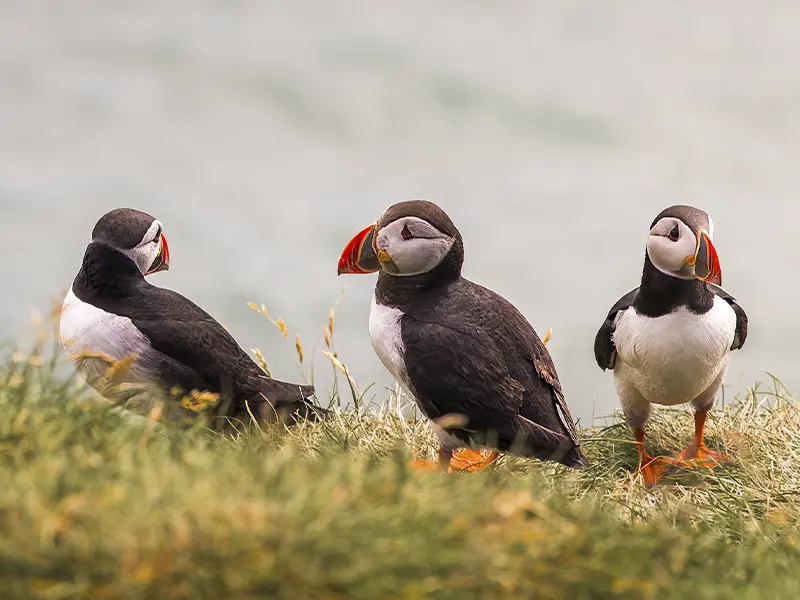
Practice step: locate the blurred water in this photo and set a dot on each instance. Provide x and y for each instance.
(264, 134)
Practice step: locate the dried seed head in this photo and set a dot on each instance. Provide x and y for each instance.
(120, 367)
(451, 421)
(282, 326)
(336, 362)
(198, 401)
(155, 413)
(261, 360)
(299, 348)
(327, 336)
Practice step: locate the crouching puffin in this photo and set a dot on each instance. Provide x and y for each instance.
(669, 340)
(113, 314)
(471, 361)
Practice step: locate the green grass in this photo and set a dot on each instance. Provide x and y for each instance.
(94, 504)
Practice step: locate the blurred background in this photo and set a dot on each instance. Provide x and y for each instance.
(264, 134)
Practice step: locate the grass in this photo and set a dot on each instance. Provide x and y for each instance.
(94, 504)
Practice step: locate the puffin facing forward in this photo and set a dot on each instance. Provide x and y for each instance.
(669, 340)
(112, 313)
(469, 359)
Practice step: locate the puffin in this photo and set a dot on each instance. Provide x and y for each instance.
(669, 341)
(112, 315)
(469, 359)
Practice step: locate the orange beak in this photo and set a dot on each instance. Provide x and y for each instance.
(161, 262)
(706, 266)
(359, 256)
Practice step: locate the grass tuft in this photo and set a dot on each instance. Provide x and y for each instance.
(97, 504)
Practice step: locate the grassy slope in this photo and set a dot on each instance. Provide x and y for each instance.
(94, 504)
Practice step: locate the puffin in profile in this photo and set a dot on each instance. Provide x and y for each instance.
(470, 360)
(112, 313)
(669, 340)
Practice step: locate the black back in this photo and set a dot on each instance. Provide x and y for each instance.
(192, 349)
(468, 351)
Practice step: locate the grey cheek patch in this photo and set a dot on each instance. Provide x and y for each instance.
(390, 267)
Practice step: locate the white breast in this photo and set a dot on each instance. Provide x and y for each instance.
(86, 329)
(387, 341)
(672, 359)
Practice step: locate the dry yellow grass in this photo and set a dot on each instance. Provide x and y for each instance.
(96, 505)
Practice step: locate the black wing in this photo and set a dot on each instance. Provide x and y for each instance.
(604, 351)
(741, 317)
(474, 354)
(459, 375)
(197, 351)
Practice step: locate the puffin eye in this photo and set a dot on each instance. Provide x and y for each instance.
(406, 233)
(675, 234)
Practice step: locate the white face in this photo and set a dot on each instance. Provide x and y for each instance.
(414, 245)
(669, 244)
(145, 252)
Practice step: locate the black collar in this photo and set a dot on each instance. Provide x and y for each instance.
(660, 294)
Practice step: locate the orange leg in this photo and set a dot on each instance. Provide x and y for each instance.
(465, 460)
(651, 469)
(697, 451)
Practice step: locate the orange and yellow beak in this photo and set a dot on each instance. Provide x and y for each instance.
(359, 255)
(706, 261)
(161, 262)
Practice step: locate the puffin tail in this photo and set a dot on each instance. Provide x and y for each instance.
(297, 404)
(575, 458)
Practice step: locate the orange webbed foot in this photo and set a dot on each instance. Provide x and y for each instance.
(701, 456)
(653, 471)
(472, 460)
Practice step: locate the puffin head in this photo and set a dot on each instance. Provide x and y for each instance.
(411, 238)
(135, 234)
(679, 244)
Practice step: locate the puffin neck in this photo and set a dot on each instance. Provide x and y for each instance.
(660, 294)
(106, 271)
(395, 291)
